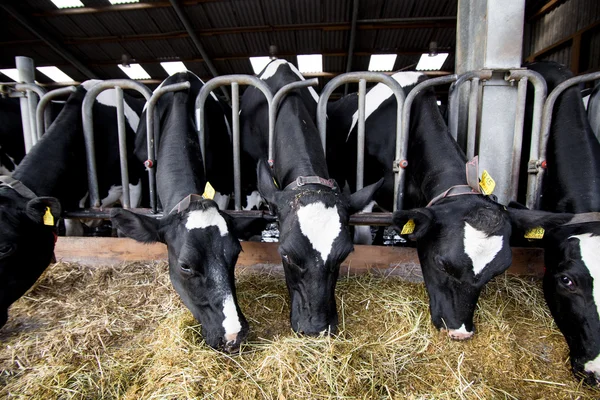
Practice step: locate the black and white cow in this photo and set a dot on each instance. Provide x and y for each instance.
(201, 240)
(51, 175)
(12, 145)
(462, 236)
(572, 251)
(313, 213)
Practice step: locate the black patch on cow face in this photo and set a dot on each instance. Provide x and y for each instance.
(26, 245)
(452, 278)
(568, 289)
(201, 265)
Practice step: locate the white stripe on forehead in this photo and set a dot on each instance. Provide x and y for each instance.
(108, 98)
(480, 247)
(589, 247)
(274, 65)
(321, 225)
(199, 219)
(231, 323)
(381, 92)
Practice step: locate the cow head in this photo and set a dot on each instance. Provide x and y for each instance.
(203, 250)
(314, 240)
(572, 291)
(26, 244)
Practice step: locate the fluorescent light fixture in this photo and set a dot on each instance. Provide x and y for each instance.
(173, 67)
(135, 71)
(55, 74)
(67, 3)
(382, 62)
(12, 73)
(123, 1)
(430, 63)
(259, 63)
(310, 63)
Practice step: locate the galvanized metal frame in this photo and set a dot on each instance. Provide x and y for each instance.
(361, 78)
(535, 168)
(42, 114)
(88, 133)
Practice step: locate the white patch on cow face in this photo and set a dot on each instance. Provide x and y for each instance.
(593, 366)
(107, 97)
(321, 225)
(222, 200)
(231, 323)
(381, 92)
(589, 247)
(480, 247)
(253, 200)
(201, 219)
(274, 65)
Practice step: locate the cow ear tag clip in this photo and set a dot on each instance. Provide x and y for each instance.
(535, 233)
(408, 228)
(48, 218)
(487, 184)
(209, 191)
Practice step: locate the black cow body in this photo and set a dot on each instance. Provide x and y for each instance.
(313, 214)
(54, 171)
(462, 240)
(202, 246)
(572, 251)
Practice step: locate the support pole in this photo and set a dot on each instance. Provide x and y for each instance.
(28, 103)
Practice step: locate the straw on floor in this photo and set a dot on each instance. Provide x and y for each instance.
(122, 332)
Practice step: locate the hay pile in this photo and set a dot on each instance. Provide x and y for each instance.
(121, 332)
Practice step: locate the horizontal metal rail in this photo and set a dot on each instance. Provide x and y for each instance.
(42, 113)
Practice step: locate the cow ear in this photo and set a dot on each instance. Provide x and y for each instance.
(362, 197)
(266, 183)
(525, 219)
(422, 219)
(139, 227)
(38, 207)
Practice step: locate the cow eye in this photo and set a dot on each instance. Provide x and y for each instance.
(185, 268)
(6, 250)
(565, 280)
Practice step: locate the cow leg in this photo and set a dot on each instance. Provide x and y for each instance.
(73, 227)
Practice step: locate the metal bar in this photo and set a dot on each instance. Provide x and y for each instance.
(352, 40)
(226, 80)
(518, 137)
(453, 93)
(152, 138)
(402, 140)
(472, 118)
(545, 131)
(122, 146)
(41, 114)
(237, 174)
(26, 75)
(360, 145)
(88, 127)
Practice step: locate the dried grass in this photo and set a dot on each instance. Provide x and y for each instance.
(121, 332)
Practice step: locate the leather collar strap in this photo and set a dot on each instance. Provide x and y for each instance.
(17, 186)
(185, 203)
(584, 218)
(453, 191)
(472, 187)
(310, 180)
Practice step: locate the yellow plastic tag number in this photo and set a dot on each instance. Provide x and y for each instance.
(209, 191)
(48, 217)
(409, 227)
(487, 183)
(535, 233)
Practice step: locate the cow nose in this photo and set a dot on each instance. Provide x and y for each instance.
(460, 333)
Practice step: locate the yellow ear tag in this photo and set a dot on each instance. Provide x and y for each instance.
(487, 184)
(48, 218)
(275, 182)
(535, 233)
(409, 227)
(209, 191)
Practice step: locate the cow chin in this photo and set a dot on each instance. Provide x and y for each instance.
(313, 313)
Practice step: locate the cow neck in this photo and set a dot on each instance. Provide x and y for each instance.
(435, 163)
(179, 164)
(298, 150)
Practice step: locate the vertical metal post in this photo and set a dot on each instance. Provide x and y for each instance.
(360, 146)
(42, 116)
(235, 120)
(28, 104)
(518, 137)
(472, 119)
(122, 146)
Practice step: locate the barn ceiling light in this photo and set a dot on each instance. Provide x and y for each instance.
(310, 63)
(430, 62)
(134, 71)
(382, 62)
(173, 67)
(55, 74)
(12, 73)
(259, 63)
(123, 1)
(67, 3)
